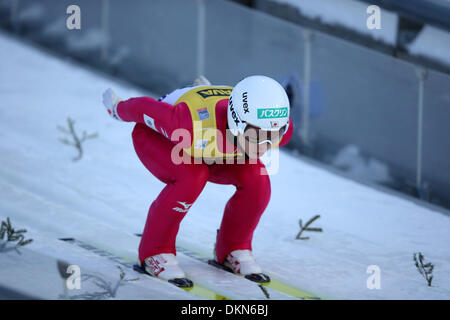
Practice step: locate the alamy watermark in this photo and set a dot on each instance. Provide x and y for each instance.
(73, 22)
(374, 280)
(374, 20)
(73, 281)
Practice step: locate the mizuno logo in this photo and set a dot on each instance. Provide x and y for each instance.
(185, 208)
(164, 133)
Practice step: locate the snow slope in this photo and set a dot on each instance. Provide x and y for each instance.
(103, 199)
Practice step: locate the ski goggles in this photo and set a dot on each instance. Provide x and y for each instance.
(258, 136)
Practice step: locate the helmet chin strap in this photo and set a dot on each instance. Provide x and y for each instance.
(230, 135)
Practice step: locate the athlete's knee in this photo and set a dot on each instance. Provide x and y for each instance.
(262, 191)
(193, 176)
(256, 186)
(254, 176)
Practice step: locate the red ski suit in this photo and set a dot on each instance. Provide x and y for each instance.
(184, 182)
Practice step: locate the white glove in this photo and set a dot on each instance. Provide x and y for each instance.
(110, 101)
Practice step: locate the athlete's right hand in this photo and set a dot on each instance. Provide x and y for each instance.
(110, 101)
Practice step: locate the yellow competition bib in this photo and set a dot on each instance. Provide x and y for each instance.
(201, 102)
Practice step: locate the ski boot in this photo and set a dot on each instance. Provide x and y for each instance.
(242, 262)
(165, 267)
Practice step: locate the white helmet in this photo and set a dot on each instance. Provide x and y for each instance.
(259, 101)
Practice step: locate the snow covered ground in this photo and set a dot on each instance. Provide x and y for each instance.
(103, 199)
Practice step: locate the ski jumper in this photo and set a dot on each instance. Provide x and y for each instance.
(200, 111)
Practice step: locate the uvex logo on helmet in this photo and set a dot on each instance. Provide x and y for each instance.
(233, 112)
(244, 102)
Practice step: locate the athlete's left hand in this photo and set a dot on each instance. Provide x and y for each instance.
(110, 101)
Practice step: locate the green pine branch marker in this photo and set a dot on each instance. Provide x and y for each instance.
(12, 235)
(425, 269)
(307, 228)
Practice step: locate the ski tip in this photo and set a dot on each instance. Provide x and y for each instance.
(258, 277)
(182, 282)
